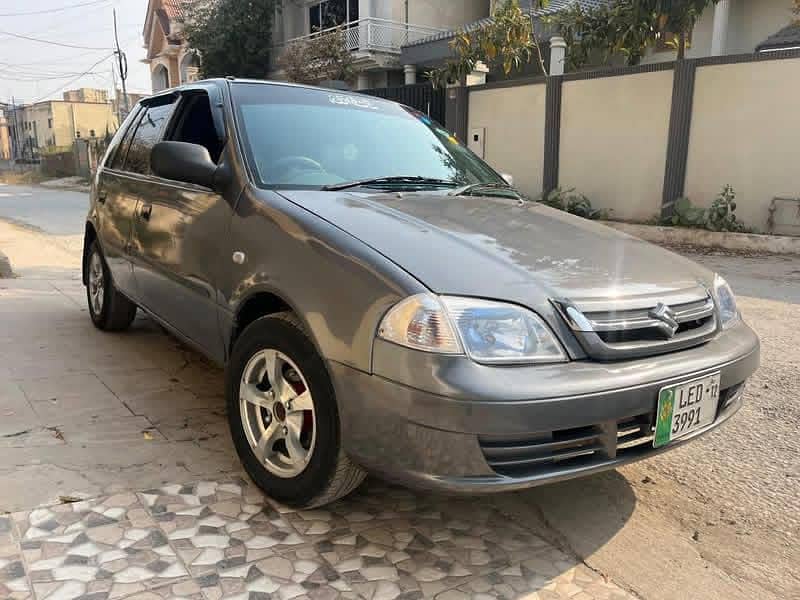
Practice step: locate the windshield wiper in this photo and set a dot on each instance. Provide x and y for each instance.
(465, 190)
(412, 179)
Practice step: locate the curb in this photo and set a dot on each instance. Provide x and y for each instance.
(684, 236)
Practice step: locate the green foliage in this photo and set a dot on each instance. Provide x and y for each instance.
(320, 58)
(626, 28)
(572, 202)
(720, 216)
(507, 40)
(233, 37)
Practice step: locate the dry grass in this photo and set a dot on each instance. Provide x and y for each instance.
(22, 177)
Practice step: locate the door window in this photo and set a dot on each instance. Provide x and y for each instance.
(148, 133)
(195, 125)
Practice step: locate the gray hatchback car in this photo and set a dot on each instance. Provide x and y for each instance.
(383, 301)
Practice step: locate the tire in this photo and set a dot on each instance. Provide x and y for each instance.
(108, 308)
(326, 473)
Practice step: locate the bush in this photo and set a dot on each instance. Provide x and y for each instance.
(720, 216)
(319, 58)
(573, 203)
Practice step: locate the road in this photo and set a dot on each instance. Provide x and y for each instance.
(715, 519)
(58, 212)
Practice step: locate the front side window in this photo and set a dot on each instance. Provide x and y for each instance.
(301, 138)
(148, 133)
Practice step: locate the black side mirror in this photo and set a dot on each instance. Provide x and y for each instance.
(181, 161)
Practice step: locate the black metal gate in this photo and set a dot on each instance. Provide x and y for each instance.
(421, 96)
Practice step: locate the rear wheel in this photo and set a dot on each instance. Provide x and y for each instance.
(283, 415)
(109, 309)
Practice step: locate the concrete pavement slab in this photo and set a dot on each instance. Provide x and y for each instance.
(16, 413)
(60, 399)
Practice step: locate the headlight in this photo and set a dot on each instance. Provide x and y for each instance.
(726, 302)
(489, 332)
(420, 322)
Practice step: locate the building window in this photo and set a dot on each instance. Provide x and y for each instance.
(91, 133)
(77, 134)
(49, 123)
(331, 13)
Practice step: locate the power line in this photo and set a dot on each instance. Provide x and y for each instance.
(41, 41)
(52, 10)
(71, 81)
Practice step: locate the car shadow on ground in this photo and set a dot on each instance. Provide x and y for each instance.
(580, 515)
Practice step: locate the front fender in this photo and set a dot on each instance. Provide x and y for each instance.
(338, 286)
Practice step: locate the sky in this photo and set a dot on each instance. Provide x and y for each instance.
(33, 70)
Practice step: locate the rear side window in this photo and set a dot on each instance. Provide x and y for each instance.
(148, 133)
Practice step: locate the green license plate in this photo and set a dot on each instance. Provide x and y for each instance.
(686, 407)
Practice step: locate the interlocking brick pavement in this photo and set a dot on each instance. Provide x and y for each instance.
(224, 540)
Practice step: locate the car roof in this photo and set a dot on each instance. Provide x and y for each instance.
(221, 81)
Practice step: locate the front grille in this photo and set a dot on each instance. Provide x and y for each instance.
(616, 334)
(565, 447)
(545, 452)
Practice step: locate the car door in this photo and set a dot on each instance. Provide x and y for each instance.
(115, 208)
(180, 231)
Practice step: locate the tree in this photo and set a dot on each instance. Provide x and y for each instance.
(507, 40)
(232, 37)
(319, 58)
(627, 28)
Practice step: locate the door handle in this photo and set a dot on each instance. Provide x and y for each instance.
(146, 211)
(101, 197)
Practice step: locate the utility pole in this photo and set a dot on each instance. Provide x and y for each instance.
(123, 67)
(117, 99)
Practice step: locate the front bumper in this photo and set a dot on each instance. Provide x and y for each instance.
(448, 424)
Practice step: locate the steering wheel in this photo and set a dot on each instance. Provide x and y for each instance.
(287, 164)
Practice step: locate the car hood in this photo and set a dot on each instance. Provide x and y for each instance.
(499, 248)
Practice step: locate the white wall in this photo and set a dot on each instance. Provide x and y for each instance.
(614, 141)
(514, 121)
(745, 128)
(446, 14)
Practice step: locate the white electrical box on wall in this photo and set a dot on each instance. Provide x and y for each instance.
(477, 141)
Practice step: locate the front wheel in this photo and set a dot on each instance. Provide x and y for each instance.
(283, 415)
(109, 309)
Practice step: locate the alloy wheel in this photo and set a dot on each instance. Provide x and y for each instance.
(96, 283)
(277, 413)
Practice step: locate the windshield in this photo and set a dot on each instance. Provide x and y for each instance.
(300, 138)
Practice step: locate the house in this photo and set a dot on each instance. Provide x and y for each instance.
(729, 27)
(787, 38)
(376, 30)
(169, 57)
(86, 95)
(51, 124)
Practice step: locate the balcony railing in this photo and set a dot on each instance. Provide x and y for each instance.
(375, 35)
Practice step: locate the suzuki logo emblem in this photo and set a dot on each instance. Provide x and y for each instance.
(664, 314)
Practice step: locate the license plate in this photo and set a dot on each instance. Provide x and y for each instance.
(686, 407)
